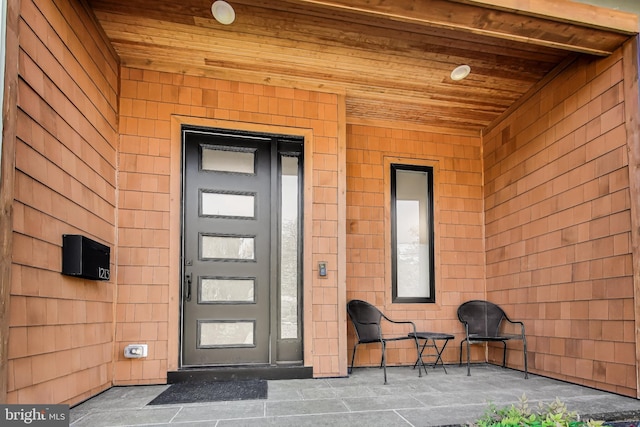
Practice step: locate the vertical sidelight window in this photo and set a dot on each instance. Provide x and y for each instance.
(412, 236)
(289, 246)
(289, 261)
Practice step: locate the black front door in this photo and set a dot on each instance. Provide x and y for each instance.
(235, 289)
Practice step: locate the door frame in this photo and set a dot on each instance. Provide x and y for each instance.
(175, 227)
(269, 151)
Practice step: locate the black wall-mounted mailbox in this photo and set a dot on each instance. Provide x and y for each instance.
(86, 258)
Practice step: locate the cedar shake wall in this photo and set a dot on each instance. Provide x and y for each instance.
(458, 230)
(548, 237)
(558, 227)
(61, 328)
(147, 300)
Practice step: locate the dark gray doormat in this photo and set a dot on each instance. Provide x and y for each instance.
(212, 391)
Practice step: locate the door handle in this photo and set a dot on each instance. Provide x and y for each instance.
(187, 280)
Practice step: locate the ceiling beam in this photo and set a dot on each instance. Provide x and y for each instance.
(559, 24)
(567, 11)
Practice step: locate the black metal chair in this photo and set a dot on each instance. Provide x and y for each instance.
(483, 321)
(367, 322)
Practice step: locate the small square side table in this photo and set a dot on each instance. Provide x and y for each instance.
(431, 340)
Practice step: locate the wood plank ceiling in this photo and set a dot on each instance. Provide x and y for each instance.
(391, 58)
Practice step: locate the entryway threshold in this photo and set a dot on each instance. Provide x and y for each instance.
(229, 373)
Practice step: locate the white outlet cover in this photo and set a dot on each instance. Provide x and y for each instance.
(135, 351)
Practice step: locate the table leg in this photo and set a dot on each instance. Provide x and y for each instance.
(420, 355)
(438, 355)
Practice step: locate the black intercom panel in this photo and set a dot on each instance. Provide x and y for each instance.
(85, 258)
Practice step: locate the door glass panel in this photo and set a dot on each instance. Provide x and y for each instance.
(227, 290)
(228, 247)
(222, 204)
(289, 248)
(225, 160)
(226, 334)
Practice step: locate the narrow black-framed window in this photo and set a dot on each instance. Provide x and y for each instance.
(412, 235)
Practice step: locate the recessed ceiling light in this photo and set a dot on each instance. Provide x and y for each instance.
(223, 12)
(460, 72)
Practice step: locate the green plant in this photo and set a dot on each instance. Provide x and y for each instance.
(554, 414)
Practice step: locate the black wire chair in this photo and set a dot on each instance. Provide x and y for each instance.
(482, 322)
(367, 320)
